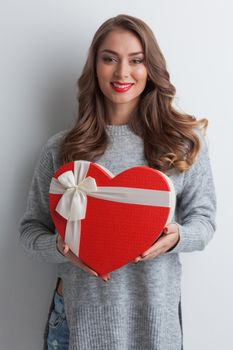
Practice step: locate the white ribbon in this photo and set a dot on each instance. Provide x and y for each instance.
(73, 203)
(75, 186)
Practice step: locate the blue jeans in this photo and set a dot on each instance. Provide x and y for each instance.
(58, 332)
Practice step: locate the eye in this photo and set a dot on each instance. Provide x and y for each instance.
(109, 59)
(137, 60)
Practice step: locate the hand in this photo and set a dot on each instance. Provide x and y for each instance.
(65, 250)
(167, 241)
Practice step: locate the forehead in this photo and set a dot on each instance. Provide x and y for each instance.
(121, 41)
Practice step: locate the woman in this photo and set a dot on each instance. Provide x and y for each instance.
(125, 119)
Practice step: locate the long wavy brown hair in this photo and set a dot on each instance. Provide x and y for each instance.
(170, 139)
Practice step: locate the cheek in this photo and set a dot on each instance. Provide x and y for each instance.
(103, 71)
(141, 75)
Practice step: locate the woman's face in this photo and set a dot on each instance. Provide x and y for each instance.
(120, 67)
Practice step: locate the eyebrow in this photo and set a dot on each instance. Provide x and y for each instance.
(115, 53)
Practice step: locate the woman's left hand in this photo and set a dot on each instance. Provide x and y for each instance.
(167, 241)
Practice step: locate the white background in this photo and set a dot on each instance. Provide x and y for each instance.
(43, 48)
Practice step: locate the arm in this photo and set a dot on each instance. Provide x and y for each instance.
(37, 231)
(196, 208)
(197, 205)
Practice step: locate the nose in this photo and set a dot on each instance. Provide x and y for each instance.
(122, 69)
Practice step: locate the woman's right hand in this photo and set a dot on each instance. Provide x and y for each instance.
(65, 250)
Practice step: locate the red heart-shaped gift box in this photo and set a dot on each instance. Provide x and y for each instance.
(119, 216)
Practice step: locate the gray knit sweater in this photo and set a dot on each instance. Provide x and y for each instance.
(138, 309)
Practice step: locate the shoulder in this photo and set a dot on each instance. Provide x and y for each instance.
(202, 138)
(202, 155)
(53, 143)
(49, 160)
(201, 163)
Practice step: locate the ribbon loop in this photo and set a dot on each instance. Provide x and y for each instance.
(73, 203)
(67, 179)
(88, 185)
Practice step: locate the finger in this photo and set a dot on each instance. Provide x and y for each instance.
(65, 249)
(137, 259)
(86, 267)
(160, 241)
(78, 262)
(158, 248)
(106, 277)
(171, 228)
(89, 270)
(162, 245)
(154, 247)
(154, 254)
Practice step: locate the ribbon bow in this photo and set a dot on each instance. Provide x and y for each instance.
(73, 203)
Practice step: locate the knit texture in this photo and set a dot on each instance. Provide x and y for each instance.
(138, 309)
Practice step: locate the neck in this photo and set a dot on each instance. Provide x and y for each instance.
(119, 114)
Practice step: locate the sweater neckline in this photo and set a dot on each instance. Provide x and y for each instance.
(118, 130)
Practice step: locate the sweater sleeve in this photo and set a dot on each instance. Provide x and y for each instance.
(37, 231)
(196, 205)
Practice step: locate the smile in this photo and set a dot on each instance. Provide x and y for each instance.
(121, 87)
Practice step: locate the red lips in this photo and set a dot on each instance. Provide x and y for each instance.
(120, 83)
(121, 87)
